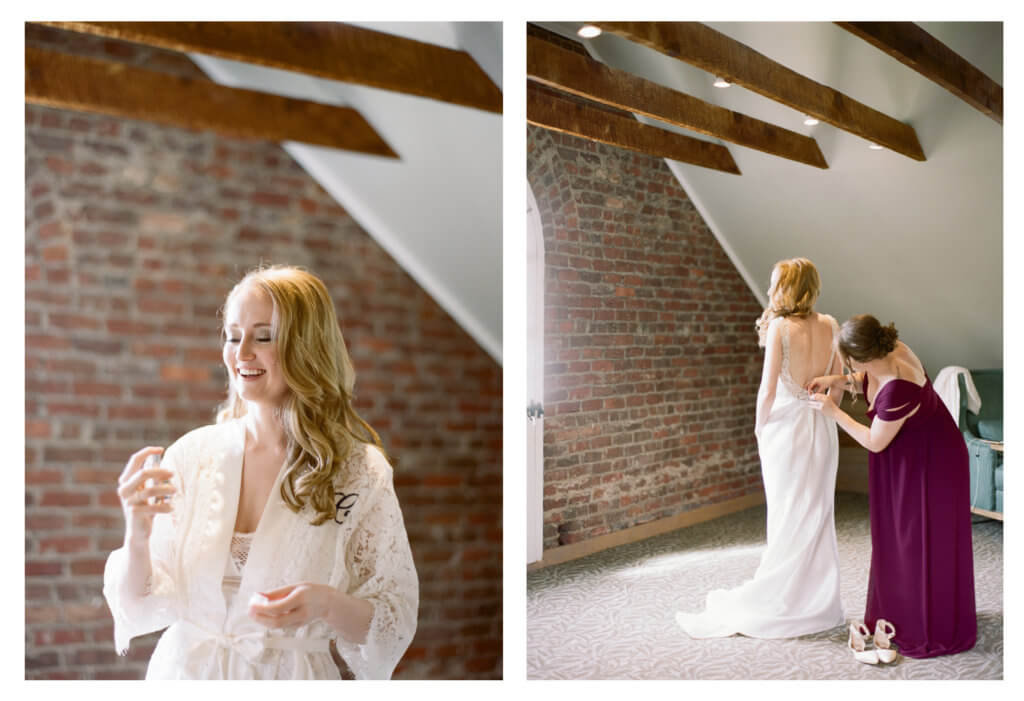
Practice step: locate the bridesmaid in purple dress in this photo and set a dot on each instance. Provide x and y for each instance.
(922, 566)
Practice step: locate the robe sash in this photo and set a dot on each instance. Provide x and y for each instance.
(248, 645)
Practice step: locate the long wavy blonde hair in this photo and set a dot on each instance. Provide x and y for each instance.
(794, 293)
(321, 426)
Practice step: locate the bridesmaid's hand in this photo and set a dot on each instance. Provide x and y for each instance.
(822, 384)
(825, 405)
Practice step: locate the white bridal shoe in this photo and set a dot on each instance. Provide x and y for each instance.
(883, 634)
(858, 644)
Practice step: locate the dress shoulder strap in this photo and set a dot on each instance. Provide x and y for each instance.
(835, 342)
(896, 399)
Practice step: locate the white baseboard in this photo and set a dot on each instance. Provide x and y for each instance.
(564, 553)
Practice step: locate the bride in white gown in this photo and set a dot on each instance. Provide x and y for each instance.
(795, 590)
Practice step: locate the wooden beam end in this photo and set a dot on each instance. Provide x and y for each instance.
(817, 157)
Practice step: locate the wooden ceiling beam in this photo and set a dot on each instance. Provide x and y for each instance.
(714, 52)
(545, 108)
(330, 50)
(77, 83)
(568, 71)
(914, 47)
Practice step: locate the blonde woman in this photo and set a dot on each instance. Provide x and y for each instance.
(271, 543)
(795, 590)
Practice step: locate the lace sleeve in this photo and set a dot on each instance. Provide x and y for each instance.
(381, 571)
(133, 615)
(834, 356)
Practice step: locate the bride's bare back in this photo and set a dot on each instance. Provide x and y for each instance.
(810, 346)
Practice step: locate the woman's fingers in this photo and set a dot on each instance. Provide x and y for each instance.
(279, 593)
(138, 480)
(282, 603)
(273, 611)
(137, 460)
(147, 508)
(292, 617)
(157, 490)
(281, 608)
(138, 503)
(290, 606)
(822, 402)
(144, 489)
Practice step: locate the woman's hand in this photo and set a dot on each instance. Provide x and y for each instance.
(299, 604)
(823, 384)
(293, 605)
(825, 405)
(144, 492)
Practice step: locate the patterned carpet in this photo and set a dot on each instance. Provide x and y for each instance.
(612, 615)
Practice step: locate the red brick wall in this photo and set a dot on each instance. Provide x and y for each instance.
(651, 359)
(134, 234)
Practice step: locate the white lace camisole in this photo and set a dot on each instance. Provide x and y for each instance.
(240, 544)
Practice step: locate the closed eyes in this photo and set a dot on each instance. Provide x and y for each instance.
(237, 339)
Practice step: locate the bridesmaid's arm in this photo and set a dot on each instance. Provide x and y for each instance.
(769, 375)
(836, 390)
(847, 383)
(875, 437)
(855, 381)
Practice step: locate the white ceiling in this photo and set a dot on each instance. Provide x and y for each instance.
(437, 210)
(916, 243)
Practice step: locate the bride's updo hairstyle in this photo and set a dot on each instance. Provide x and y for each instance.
(320, 423)
(795, 291)
(863, 338)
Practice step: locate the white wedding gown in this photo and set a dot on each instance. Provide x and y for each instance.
(795, 590)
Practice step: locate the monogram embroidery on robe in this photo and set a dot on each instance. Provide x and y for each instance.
(344, 506)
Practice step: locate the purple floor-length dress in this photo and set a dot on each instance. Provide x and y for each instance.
(922, 564)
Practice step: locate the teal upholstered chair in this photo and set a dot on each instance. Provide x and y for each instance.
(986, 425)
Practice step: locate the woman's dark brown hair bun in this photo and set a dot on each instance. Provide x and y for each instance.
(863, 338)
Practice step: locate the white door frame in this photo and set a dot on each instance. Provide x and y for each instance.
(534, 381)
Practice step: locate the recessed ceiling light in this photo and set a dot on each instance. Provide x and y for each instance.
(721, 83)
(810, 121)
(875, 147)
(589, 31)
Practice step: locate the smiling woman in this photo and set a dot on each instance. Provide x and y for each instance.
(248, 347)
(289, 467)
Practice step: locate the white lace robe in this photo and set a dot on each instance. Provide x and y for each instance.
(363, 551)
